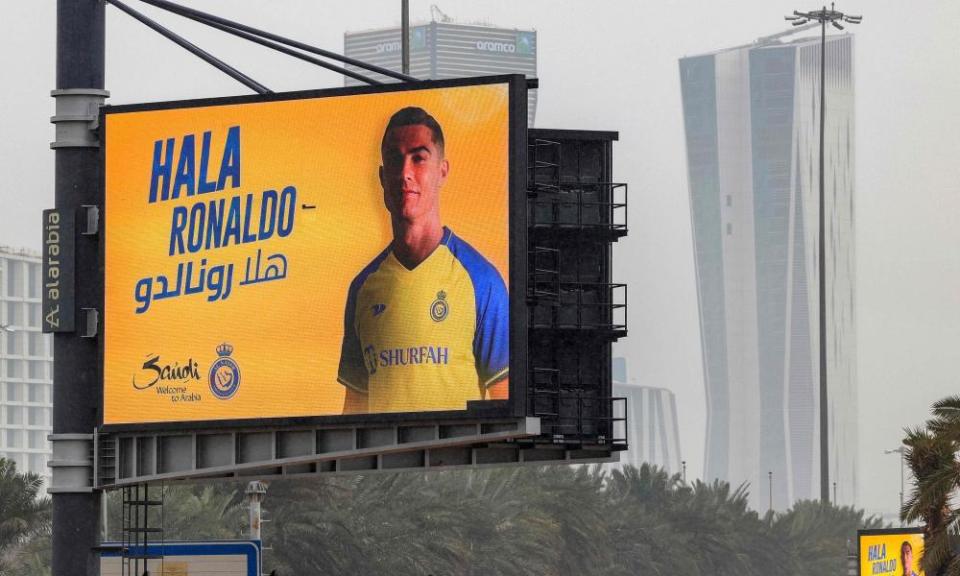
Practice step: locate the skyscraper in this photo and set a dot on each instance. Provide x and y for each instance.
(26, 364)
(652, 433)
(751, 116)
(440, 50)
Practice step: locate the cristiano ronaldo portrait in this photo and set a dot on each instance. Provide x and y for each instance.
(426, 325)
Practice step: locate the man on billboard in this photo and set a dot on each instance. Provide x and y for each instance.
(426, 325)
(906, 558)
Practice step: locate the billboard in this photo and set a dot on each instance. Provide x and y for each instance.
(895, 552)
(343, 252)
(217, 558)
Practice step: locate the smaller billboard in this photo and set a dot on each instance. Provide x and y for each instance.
(218, 558)
(893, 552)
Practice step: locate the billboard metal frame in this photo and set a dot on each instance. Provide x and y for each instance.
(515, 407)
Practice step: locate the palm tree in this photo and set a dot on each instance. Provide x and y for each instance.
(548, 521)
(23, 516)
(815, 535)
(932, 458)
(34, 557)
(206, 511)
(946, 421)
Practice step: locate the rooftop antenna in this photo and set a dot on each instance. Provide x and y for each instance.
(437, 15)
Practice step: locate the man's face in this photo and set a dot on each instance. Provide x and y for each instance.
(413, 172)
(907, 560)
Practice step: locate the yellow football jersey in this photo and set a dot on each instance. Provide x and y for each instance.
(431, 338)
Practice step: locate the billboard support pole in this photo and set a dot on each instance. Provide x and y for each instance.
(79, 93)
(405, 34)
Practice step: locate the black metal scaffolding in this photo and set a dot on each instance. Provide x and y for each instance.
(575, 214)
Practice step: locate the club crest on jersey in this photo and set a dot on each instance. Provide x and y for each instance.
(225, 373)
(439, 308)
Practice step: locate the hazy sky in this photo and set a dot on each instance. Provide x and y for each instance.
(613, 66)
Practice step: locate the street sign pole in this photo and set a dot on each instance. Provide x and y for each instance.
(79, 92)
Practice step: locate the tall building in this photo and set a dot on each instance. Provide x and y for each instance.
(751, 115)
(26, 364)
(653, 433)
(441, 50)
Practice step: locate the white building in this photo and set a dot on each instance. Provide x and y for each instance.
(653, 435)
(26, 364)
(445, 49)
(751, 117)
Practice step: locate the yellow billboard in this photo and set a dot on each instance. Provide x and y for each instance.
(337, 254)
(892, 552)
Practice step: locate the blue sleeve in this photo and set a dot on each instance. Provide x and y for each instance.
(353, 369)
(491, 340)
(352, 372)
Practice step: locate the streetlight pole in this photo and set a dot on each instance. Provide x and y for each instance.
(899, 450)
(770, 490)
(823, 16)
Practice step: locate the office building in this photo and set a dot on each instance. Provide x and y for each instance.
(26, 364)
(444, 49)
(653, 432)
(751, 116)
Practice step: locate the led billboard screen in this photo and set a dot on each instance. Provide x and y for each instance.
(895, 552)
(345, 252)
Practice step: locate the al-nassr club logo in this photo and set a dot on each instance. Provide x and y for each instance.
(439, 308)
(224, 373)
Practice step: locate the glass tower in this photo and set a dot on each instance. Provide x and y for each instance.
(752, 123)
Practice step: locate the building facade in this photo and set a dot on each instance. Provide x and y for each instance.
(26, 364)
(653, 433)
(751, 117)
(441, 50)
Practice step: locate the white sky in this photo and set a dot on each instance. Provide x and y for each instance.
(612, 65)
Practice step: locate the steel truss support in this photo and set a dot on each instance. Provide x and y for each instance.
(210, 20)
(170, 456)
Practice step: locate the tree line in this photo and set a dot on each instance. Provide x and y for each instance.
(546, 520)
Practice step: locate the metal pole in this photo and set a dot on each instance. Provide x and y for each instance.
(194, 49)
(899, 450)
(901, 486)
(405, 34)
(770, 489)
(801, 19)
(824, 421)
(207, 17)
(284, 50)
(80, 69)
(256, 490)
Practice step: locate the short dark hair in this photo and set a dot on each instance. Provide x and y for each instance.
(906, 546)
(414, 116)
